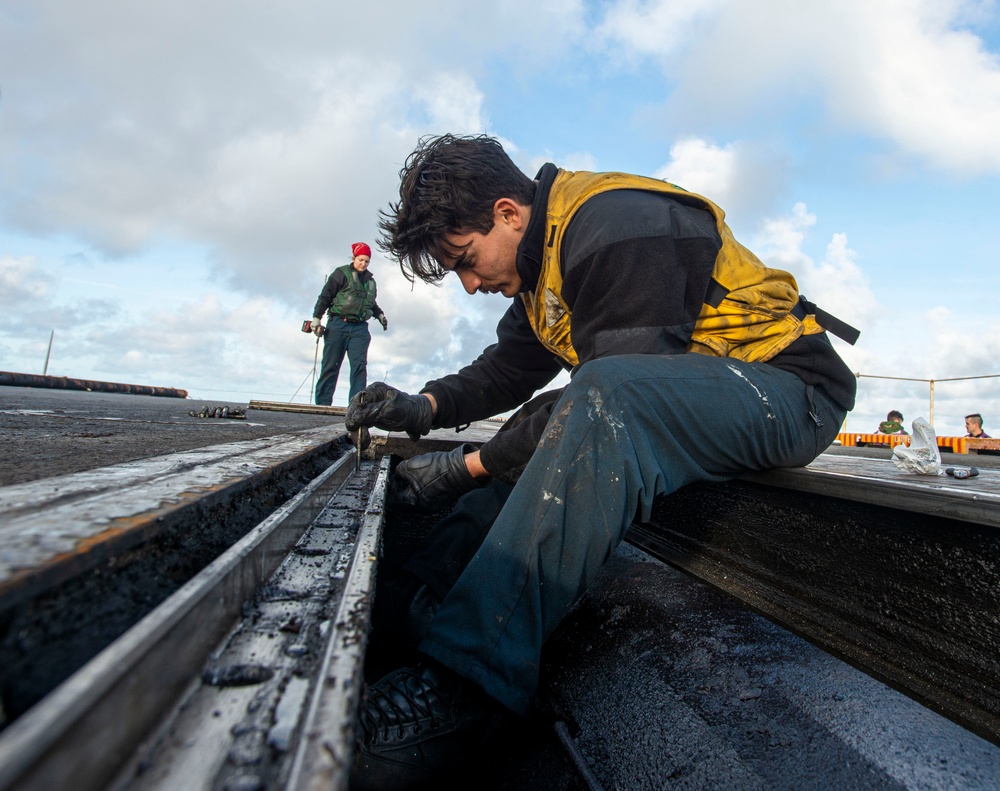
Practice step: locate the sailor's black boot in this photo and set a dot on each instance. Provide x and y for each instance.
(416, 723)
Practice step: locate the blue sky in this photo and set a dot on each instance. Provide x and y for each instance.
(177, 179)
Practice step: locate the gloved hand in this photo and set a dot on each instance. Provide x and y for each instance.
(390, 409)
(383, 321)
(363, 441)
(433, 480)
(317, 325)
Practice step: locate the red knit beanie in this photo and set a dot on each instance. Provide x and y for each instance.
(360, 248)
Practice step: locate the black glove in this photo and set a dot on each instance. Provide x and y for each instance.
(434, 480)
(383, 321)
(391, 410)
(363, 441)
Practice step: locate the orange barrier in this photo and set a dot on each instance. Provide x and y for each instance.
(860, 440)
(953, 444)
(947, 444)
(977, 445)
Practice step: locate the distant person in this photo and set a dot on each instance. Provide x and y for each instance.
(893, 424)
(974, 425)
(348, 301)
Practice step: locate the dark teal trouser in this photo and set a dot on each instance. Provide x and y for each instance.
(343, 337)
(625, 430)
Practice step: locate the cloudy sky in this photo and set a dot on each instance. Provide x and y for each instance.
(177, 179)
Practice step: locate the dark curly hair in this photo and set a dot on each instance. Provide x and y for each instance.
(449, 184)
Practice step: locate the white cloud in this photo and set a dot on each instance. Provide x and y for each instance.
(836, 283)
(897, 342)
(445, 328)
(254, 133)
(781, 237)
(20, 281)
(635, 28)
(964, 348)
(700, 167)
(31, 304)
(959, 355)
(744, 179)
(452, 102)
(910, 72)
(580, 160)
(918, 80)
(262, 140)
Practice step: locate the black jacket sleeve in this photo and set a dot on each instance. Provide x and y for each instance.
(506, 454)
(503, 377)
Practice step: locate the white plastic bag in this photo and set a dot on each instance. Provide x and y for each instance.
(923, 456)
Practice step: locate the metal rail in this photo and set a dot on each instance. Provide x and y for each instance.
(14, 379)
(87, 733)
(326, 745)
(52, 532)
(282, 406)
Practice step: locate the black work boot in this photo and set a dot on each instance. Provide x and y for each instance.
(415, 723)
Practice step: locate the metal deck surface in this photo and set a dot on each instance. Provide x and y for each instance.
(662, 680)
(675, 685)
(48, 433)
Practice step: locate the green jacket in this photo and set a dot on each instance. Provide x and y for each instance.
(349, 294)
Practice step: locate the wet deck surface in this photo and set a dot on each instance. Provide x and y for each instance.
(44, 433)
(664, 681)
(675, 685)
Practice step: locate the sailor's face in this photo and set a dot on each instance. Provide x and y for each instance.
(361, 262)
(487, 262)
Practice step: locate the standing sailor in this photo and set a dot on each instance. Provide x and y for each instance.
(348, 300)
